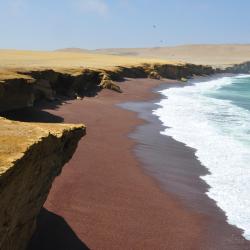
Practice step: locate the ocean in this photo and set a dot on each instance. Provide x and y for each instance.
(213, 117)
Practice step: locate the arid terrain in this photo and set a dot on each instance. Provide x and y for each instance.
(214, 55)
(217, 55)
(31, 151)
(14, 60)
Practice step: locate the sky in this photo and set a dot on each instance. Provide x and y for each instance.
(91, 24)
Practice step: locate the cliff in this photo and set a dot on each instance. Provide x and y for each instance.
(27, 87)
(16, 93)
(31, 156)
(242, 68)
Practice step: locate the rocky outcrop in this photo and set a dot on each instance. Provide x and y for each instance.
(50, 84)
(35, 85)
(242, 68)
(107, 83)
(180, 71)
(16, 93)
(31, 156)
(170, 71)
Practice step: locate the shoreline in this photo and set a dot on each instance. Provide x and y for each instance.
(153, 126)
(222, 181)
(136, 213)
(181, 176)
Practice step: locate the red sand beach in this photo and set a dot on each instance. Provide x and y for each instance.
(104, 199)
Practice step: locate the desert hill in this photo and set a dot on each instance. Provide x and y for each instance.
(211, 54)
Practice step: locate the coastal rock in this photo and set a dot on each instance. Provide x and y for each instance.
(31, 156)
(243, 68)
(48, 84)
(57, 83)
(154, 75)
(178, 71)
(134, 71)
(107, 83)
(16, 93)
(43, 90)
(86, 83)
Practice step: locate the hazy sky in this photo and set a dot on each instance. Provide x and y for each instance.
(52, 24)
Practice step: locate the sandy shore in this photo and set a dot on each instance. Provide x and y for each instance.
(106, 198)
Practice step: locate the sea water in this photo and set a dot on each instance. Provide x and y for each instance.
(213, 117)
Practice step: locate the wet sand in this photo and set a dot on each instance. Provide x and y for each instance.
(122, 192)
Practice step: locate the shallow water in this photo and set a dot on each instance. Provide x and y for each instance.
(213, 117)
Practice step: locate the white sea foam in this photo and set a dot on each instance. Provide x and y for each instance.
(219, 131)
(242, 76)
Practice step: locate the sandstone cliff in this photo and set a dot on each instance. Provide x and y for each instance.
(27, 87)
(16, 93)
(31, 156)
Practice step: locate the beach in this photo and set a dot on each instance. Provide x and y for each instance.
(124, 125)
(120, 190)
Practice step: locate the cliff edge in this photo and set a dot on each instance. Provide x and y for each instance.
(31, 156)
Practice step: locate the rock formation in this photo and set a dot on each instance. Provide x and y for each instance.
(34, 85)
(16, 93)
(31, 156)
(242, 68)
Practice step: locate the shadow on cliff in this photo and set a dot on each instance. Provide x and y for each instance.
(38, 112)
(32, 114)
(53, 233)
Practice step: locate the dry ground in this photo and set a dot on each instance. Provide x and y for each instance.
(13, 60)
(216, 55)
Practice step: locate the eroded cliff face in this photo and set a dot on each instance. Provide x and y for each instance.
(29, 86)
(33, 85)
(16, 93)
(242, 68)
(31, 156)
